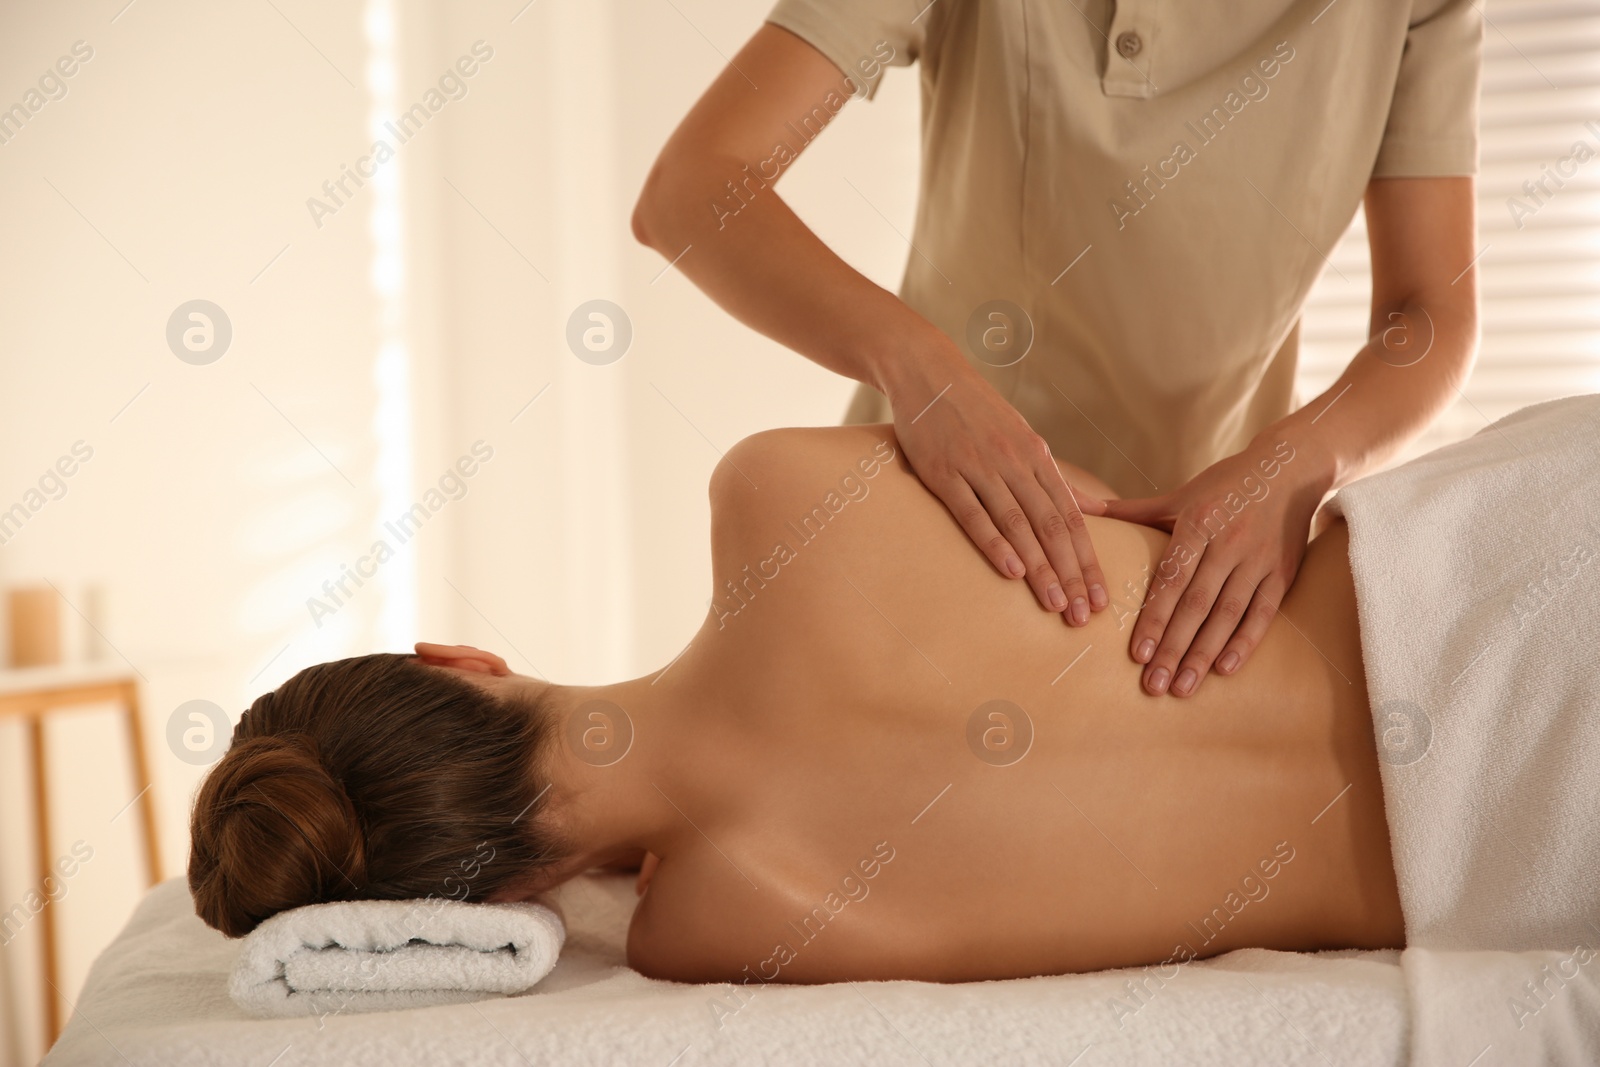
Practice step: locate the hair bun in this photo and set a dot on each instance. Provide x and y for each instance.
(280, 833)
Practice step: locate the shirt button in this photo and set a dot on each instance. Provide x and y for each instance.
(1128, 44)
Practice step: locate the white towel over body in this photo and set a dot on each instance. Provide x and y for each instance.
(381, 955)
(1477, 577)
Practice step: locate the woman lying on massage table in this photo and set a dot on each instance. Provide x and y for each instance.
(876, 759)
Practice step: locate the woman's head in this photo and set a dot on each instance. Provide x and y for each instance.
(377, 777)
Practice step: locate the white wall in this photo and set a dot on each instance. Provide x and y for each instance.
(177, 166)
(554, 153)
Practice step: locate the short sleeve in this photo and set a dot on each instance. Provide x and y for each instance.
(860, 37)
(1433, 119)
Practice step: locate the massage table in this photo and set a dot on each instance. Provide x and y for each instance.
(1477, 577)
(158, 995)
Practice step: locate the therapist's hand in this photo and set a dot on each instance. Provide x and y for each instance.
(980, 456)
(1239, 531)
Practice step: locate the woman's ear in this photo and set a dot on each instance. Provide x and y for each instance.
(461, 657)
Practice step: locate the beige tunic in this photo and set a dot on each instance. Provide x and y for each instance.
(1124, 205)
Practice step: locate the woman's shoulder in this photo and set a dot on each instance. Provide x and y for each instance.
(788, 471)
(697, 922)
(803, 456)
(777, 491)
(701, 921)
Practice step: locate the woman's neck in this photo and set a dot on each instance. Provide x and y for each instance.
(614, 763)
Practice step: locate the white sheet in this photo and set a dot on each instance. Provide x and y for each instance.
(158, 995)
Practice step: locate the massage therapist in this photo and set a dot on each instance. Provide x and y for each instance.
(1122, 208)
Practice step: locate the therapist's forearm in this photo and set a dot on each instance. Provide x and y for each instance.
(1422, 333)
(974, 451)
(765, 267)
(1400, 381)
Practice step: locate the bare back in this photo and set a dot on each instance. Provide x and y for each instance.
(909, 770)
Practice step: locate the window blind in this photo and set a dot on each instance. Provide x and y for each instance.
(1538, 227)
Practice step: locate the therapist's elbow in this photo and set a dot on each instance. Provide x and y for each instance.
(659, 202)
(678, 197)
(643, 212)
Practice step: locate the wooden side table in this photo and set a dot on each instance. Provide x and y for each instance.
(31, 693)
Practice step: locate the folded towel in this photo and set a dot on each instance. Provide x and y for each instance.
(383, 955)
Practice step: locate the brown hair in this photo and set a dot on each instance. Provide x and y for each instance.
(376, 777)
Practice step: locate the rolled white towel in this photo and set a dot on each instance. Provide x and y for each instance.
(383, 955)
